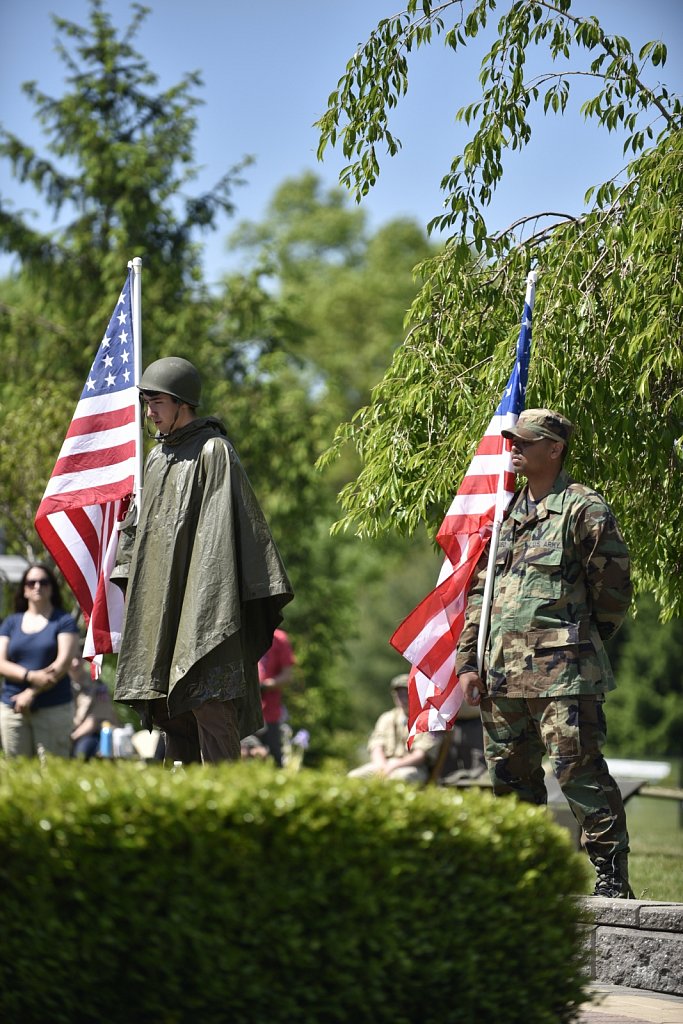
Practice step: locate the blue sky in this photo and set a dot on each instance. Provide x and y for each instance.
(268, 69)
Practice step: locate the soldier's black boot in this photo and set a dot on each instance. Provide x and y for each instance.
(612, 881)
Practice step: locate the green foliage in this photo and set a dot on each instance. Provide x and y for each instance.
(286, 348)
(205, 893)
(607, 321)
(376, 77)
(397, 573)
(343, 291)
(645, 713)
(298, 339)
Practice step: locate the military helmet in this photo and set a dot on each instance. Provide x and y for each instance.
(174, 376)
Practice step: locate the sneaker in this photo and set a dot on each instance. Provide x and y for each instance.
(613, 888)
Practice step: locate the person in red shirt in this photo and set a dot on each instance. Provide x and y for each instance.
(275, 671)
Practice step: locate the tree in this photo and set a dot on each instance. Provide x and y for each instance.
(120, 159)
(347, 290)
(646, 710)
(281, 358)
(124, 158)
(607, 348)
(301, 353)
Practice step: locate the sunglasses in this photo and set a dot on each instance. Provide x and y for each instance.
(521, 443)
(37, 583)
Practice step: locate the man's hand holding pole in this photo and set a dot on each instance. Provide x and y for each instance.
(472, 686)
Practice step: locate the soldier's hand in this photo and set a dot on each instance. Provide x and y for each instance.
(472, 687)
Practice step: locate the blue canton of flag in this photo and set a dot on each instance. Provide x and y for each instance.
(112, 369)
(514, 396)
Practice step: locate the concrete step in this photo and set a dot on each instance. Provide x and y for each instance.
(636, 944)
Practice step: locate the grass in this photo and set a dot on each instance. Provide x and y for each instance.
(655, 827)
(656, 862)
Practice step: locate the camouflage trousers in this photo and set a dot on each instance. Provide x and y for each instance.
(519, 731)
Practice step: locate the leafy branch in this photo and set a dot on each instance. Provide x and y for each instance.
(608, 322)
(358, 112)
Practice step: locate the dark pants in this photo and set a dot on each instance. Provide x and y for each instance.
(86, 747)
(207, 734)
(272, 737)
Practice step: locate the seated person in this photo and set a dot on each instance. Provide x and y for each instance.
(92, 706)
(389, 754)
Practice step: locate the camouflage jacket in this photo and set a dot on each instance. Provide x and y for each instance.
(562, 587)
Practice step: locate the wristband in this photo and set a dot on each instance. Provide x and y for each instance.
(25, 679)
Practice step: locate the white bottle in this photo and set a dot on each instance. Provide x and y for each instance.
(123, 741)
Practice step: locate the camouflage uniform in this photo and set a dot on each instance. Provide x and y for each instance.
(562, 587)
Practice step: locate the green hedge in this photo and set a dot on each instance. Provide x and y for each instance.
(239, 894)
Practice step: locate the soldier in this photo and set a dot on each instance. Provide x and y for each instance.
(562, 588)
(205, 585)
(389, 754)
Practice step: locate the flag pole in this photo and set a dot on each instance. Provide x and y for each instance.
(136, 299)
(482, 637)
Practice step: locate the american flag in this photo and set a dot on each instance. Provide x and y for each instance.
(428, 637)
(93, 479)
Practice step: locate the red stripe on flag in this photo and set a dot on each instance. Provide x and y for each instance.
(429, 636)
(492, 444)
(480, 484)
(87, 497)
(459, 533)
(84, 526)
(106, 420)
(100, 624)
(97, 458)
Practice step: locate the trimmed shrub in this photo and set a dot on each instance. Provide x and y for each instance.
(239, 894)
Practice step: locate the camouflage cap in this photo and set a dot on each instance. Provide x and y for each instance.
(535, 424)
(399, 682)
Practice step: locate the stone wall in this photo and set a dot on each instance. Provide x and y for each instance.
(637, 943)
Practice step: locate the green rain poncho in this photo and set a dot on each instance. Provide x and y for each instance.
(205, 584)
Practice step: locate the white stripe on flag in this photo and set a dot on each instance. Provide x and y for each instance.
(90, 479)
(111, 438)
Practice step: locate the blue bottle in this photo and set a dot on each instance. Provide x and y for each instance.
(106, 740)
